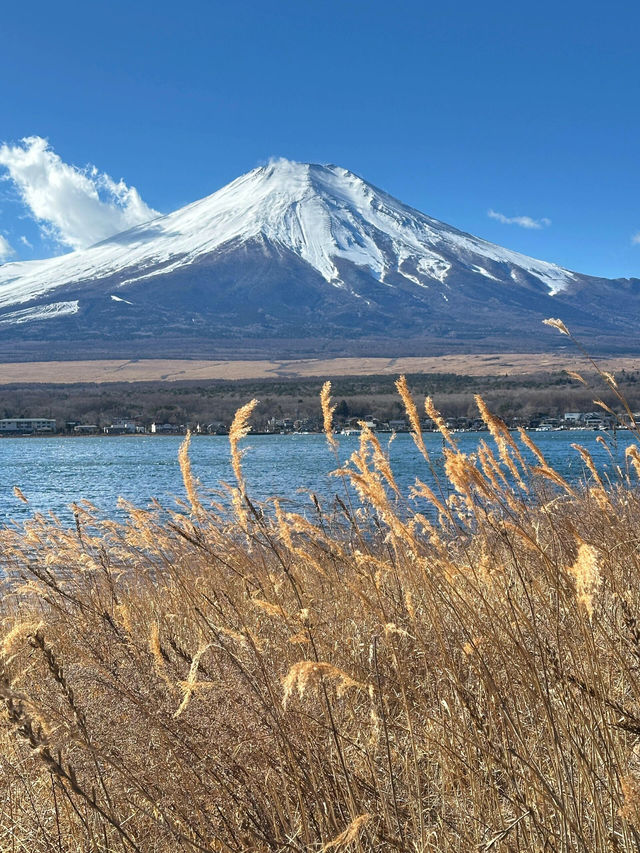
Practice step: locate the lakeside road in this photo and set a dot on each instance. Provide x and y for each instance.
(174, 370)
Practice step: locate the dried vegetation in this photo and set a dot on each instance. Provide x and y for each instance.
(366, 677)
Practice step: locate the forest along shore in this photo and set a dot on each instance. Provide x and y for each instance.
(289, 404)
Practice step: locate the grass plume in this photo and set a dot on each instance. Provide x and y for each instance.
(327, 415)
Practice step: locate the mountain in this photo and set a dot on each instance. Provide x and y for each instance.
(300, 260)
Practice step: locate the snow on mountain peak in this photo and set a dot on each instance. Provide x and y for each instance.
(323, 213)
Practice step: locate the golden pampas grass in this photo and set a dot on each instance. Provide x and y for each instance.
(239, 429)
(349, 835)
(464, 475)
(503, 439)
(577, 376)
(17, 491)
(188, 687)
(588, 461)
(630, 809)
(412, 414)
(556, 324)
(19, 631)
(532, 446)
(633, 454)
(307, 672)
(188, 479)
(551, 474)
(327, 415)
(586, 574)
(439, 421)
(379, 459)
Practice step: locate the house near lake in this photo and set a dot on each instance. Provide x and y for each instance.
(26, 426)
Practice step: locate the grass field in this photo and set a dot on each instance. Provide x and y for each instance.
(457, 674)
(171, 370)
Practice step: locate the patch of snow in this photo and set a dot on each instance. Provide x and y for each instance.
(40, 312)
(435, 267)
(120, 299)
(360, 296)
(413, 279)
(484, 272)
(468, 247)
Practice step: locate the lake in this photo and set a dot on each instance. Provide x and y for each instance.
(53, 472)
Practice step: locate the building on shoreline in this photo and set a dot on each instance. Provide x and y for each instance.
(26, 426)
(123, 427)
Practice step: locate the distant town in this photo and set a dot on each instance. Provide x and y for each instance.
(12, 427)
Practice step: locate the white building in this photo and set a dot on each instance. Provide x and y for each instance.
(121, 427)
(25, 426)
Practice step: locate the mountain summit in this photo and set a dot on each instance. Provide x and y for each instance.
(299, 258)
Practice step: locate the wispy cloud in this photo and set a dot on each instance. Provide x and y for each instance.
(25, 242)
(6, 249)
(636, 239)
(77, 207)
(522, 221)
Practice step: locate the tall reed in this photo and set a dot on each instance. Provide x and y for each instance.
(452, 671)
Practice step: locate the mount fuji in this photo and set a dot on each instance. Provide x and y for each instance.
(301, 260)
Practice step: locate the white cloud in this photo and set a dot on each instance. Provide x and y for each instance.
(77, 207)
(25, 242)
(6, 249)
(636, 239)
(522, 221)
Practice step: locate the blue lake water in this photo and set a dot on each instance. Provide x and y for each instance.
(54, 472)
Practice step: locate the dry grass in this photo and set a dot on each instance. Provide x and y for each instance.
(173, 370)
(460, 678)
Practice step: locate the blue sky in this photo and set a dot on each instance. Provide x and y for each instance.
(529, 110)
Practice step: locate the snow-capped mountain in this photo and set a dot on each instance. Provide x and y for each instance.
(301, 253)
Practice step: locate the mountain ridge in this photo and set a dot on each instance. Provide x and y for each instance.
(302, 252)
